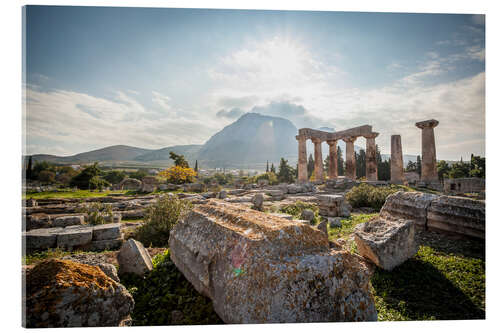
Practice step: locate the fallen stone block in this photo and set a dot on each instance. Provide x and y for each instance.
(133, 258)
(65, 221)
(407, 205)
(386, 243)
(40, 239)
(323, 226)
(258, 268)
(71, 238)
(457, 215)
(104, 245)
(106, 231)
(307, 214)
(63, 293)
(335, 222)
(258, 201)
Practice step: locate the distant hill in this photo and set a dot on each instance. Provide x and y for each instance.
(111, 153)
(190, 152)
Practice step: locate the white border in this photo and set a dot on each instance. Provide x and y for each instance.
(11, 152)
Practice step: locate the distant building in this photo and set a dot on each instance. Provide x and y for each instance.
(464, 185)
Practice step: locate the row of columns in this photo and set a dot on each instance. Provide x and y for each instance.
(371, 158)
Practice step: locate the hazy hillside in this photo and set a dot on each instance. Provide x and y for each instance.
(250, 142)
(190, 152)
(111, 153)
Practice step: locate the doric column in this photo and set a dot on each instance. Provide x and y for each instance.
(371, 157)
(397, 176)
(318, 160)
(350, 159)
(429, 170)
(302, 159)
(332, 161)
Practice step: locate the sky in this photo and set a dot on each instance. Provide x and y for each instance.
(157, 77)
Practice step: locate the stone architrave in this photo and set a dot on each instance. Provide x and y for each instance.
(350, 160)
(397, 174)
(318, 160)
(429, 170)
(302, 159)
(371, 157)
(332, 159)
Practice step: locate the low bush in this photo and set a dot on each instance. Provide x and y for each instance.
(296, 209)
(97, 213)
(365, 195)
(160, 218)
(269, 176)
(164, 290)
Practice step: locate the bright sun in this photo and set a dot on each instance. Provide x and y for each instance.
(283, 58)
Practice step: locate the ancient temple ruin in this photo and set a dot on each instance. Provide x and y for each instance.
(349, 136)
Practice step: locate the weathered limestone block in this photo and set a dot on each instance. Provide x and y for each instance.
(335, 222)
(63, 293)
(307, 214)
(258, 201)
(195, 187)
(209, 195)
(238, 191)
(106, 231)
(40, 239)
(31, 203)
(37, 221)
(293, 189)
(133, 258)
(276, 195)
(65, 221)
(149, 184)
(386, 243)
(333, 205)
(70, 238)
(258, 268)
(323, 226)
(93, 260)
(222, 195)
(132, 214)
(407, 205)
(106, 244)
(457, 215)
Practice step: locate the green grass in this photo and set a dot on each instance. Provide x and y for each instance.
(36, 257)
(445, 280)
(348, 225)
(70, 194)
(164, 290)
(431, 286)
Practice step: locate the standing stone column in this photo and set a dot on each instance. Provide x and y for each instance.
(332, 161)
(302, 159)
(429, 170)
(371, 157)
(350, 159)
(318, 160)
(397, 175)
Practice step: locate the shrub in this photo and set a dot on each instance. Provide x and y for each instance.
(269, 176)
(178, 174)
(97, 182)
(164, 290)
(82, 180)
(160, 218)
(46, 176)
(365, 195)
(98, 213)
(296, 209)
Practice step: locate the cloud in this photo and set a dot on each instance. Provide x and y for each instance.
(161, 100)
(296, 113)
(231, 114)
(61, 121)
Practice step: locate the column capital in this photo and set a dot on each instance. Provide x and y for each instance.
(331, 142)
(349, 139)
(371, 135)
(301, 137)
(316, 140)
(427, 123)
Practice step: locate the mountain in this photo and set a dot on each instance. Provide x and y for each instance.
(111, 153)
(190, 152)
(249, 142)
